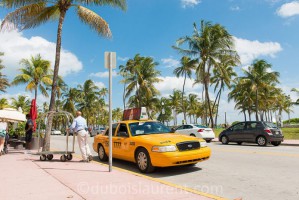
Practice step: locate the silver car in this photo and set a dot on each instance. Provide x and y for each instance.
(196, 130)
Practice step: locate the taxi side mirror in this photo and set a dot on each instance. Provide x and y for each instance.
(172, 130)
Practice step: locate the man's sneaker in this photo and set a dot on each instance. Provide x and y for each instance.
(90, 158)
(86, 161)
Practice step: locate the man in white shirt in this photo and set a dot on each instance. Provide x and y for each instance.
(3, 131)
(78, 126)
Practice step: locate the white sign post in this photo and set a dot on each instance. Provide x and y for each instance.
(110, 63)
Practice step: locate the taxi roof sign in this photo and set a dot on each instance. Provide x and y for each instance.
(135, 114)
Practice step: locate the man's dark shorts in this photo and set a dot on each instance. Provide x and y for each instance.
(28, 136)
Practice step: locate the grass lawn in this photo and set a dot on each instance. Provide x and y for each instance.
(289, 133)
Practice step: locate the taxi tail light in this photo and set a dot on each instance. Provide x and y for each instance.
(200, 130)
(268, 131)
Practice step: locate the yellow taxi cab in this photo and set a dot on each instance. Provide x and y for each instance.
(150, 144)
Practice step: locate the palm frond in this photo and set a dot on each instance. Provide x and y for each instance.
(114, 3)
(21, 16)
(14, 4)
(43, 90)
(45, 15)
(96, 22)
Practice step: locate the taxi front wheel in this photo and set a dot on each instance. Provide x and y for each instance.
(143, 161)
(102, 154)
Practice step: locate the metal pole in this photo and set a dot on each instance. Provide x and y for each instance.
(225, 119)
(110, 113)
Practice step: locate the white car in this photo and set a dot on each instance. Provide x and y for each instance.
(55, 132)
(195, 130)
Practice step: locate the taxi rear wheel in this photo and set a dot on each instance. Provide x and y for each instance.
(102, 154)
(143, 161)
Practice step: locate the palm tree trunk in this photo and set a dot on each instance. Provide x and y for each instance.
(217, 96)
(217, 109)
(184, 109)
(209, 104)
(256, 105)
(35, 95)
(124, 96)
(175, 117)
(46, 146)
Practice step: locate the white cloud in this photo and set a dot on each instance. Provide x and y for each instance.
(189, 3)
(123, 58)
(289, 9)
(16, 47)
(170, 83)
(103, 74)
(100, 84)
(170, 62)
(250, 50)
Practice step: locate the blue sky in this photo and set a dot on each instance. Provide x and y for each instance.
(265, 29)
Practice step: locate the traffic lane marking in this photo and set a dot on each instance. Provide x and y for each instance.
(256, 152)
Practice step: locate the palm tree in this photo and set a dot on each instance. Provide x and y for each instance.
(117, 114)
(21, 102)
(100, 111)
(193, 102)
(3, 80)
(143, 76)
(61, 87)
(123, 71)
(3, 103)
(185, 70)
(87, 99)
(45, 107)
(208, 44)
(223, 76)
(29, 14)
(164, 110)
(70, 98)
(243, 96)
(175, 104)
(297, 91)
(36, 74)
(259, 77)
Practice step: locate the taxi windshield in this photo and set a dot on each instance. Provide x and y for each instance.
(147, 128)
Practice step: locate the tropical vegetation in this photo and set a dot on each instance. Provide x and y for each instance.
(208, 59)
(3, 80)
(30, 14)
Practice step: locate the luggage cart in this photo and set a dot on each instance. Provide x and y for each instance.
(65, 155)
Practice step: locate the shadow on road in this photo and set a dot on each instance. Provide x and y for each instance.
(158, 173)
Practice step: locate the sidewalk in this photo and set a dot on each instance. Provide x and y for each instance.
(284, 143)
(24, 176)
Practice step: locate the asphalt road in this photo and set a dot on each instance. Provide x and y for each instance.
(248, 171)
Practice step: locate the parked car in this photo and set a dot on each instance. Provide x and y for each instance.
(258, 132)
(96, 131)
(55, 132)
(195, 130)
(150, 144)
(71, 132)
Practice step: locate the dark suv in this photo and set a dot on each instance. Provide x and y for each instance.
(258, 132)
